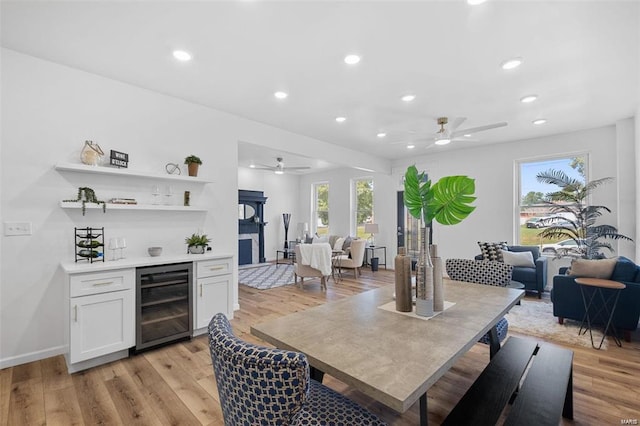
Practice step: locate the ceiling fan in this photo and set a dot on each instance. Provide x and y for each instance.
(444, 136)
(280, 168)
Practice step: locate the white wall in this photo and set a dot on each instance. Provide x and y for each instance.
(493, 168)
(282, 192)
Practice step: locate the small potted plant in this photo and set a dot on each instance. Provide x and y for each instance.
(197, 243)
(193, 162)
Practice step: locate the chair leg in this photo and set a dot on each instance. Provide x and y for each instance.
(540, 294)
(301, 282)
(323, 283)
(560, 320)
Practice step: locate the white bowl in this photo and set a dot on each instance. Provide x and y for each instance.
(154, 251)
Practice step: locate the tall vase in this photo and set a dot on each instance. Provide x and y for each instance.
(403, 281)
(438, 286)
(424, 277)
(286, 218)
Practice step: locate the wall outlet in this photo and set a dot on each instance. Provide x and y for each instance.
(17, 228)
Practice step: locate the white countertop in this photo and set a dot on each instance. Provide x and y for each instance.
(133, 262)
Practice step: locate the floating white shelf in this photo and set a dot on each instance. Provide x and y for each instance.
(78, 205)
(82, 168)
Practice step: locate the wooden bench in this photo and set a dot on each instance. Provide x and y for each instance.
(545, 394)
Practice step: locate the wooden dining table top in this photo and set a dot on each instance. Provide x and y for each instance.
(390, 356)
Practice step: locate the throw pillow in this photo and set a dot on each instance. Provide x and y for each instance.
(592, 268)
(347, 243)
(338, 244)
(492, 251)
(523, 258)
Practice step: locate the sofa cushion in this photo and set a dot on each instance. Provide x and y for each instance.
(492, 251)
(347, 243)
(524, 258)
(524, 275)
(534, 250)
(592, 268)
(338, 243)
(625, 270)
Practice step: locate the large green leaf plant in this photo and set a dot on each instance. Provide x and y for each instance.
(447, 201)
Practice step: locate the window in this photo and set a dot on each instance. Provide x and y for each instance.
(321, 208)
(532, 208)
(362, 205)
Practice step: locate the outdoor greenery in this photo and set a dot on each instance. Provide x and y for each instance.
(569, 203)
(364, 198)
(447, 201)
(532, 198)
(322, 204)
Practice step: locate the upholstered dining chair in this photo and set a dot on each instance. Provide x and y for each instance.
(355, 258)
(306, 271)
(486, 272)
(266, 386)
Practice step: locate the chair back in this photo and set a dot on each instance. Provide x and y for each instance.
(482, 272)
(357, 252)
(256, 384)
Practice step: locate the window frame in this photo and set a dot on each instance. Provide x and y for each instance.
(314, 207)
(354, 202)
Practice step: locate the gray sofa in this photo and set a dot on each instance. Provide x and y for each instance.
(534, 279)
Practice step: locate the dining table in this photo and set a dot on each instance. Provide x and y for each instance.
(393, 357)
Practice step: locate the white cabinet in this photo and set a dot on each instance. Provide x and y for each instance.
(213, 294)
(101, 315)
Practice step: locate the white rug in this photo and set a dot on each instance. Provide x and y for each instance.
(536, 319)
(266, 276)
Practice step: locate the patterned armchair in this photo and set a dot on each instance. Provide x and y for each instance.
(260, 385)
(482, 272)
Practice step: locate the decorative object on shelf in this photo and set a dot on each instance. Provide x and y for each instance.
(371, 229)
(89, 244)
(303, 231)
(403, 281)
(193, 162)
(168, 195)
(438, 285)
(87, 195)
(448, 203)
(286, 218)
(131, 201)
(119, 159)
(197, 243)
(173, 168)
(114, 245)
(122, 244)
(91, 153)
(154, 251)
(187, 198)
(155, 192)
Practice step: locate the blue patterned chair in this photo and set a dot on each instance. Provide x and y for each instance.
(265, 386)
(482, 272)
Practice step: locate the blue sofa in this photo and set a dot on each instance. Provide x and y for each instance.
(534, 279)
(568, 303)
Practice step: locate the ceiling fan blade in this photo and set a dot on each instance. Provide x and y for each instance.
(296, 168)
(478, 129)
(456, 123)
(265, 168)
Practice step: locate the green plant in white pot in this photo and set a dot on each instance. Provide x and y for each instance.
(197, 243)
(447, 202)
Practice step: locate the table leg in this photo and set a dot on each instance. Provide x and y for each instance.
(316, 374)
(494, 341)
(610, 314)
(587, 307)
(567, 409)
(424, 415)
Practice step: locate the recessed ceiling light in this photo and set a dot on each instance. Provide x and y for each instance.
(281, 95)
(408, 98)
(351, 59)
(182, 55)
(528, 99)
(475, 2)
(410, 146)
(253, 166)
(511, 63)
(539, 121)
(468, 135)
(341, 119)
(279, 172)
(381, 135)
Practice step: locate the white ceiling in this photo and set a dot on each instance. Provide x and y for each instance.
(580, 57)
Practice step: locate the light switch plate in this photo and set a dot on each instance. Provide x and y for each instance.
(17, 228)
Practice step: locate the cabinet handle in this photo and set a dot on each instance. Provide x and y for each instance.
(101, 284)
(75, 313)
(216, 268)
(200, 290)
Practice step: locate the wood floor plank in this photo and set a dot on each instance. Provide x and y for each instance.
(177, 386)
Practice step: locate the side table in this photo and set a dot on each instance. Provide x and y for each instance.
(373, 250)
(288, 257)
(596, 285)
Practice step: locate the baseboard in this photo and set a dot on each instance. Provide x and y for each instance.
(32, 356)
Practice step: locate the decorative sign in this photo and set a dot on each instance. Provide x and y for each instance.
(119, 159)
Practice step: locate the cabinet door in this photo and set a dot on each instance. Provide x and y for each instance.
(101, 324)
(212, 296)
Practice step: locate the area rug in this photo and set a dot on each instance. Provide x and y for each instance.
(267, 276)
(536, 319)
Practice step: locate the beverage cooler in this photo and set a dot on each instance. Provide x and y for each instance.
(163, 304)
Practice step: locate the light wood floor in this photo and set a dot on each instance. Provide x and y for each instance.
(174, 385)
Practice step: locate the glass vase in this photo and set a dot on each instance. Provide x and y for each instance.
(424, 277)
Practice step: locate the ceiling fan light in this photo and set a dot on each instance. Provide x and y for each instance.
(279, 172)
(381, 134)
(410, 146)
(539, 121)
(443, 140)
(528, 99)
(511, 63)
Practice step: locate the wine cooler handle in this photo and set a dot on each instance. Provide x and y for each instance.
(75, 313)
(200, 290)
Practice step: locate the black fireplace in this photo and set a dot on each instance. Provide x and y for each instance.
(251, 221)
